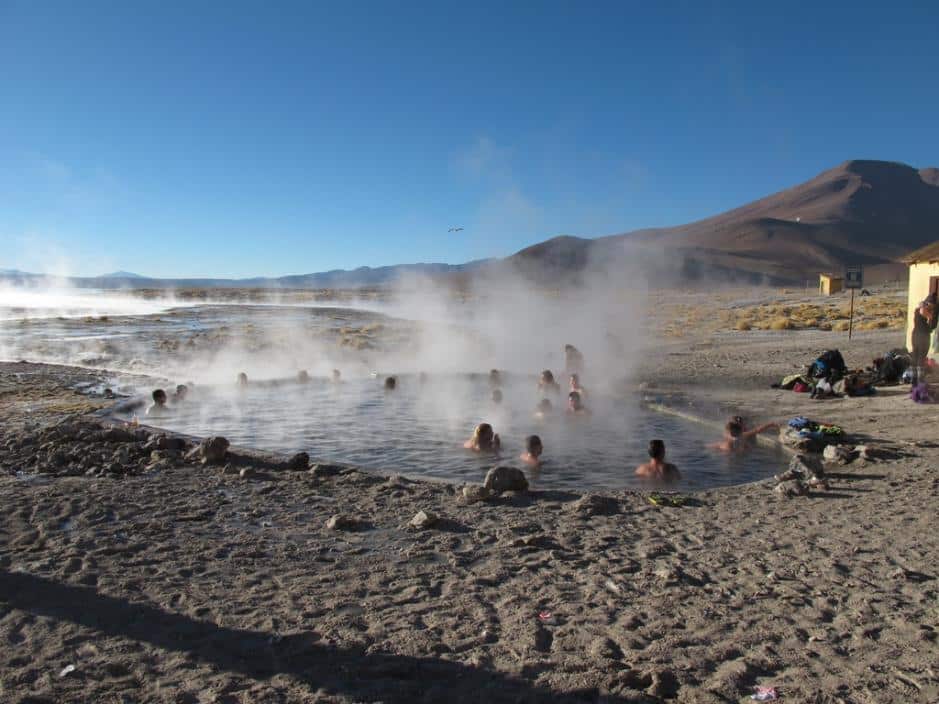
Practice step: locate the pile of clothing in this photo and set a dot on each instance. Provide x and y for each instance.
(813, 430)
(828, 377)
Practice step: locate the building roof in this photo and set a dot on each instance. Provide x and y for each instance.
(929, 253)
(829, 275)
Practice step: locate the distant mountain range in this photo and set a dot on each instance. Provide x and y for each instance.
(861, 212)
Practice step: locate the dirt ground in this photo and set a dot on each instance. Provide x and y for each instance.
(151, 578)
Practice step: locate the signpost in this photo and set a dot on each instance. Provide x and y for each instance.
(853, 279)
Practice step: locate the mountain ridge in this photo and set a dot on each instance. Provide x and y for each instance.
(861, 211)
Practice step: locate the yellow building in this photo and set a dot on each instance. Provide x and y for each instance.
(829, 284)
(924, 280)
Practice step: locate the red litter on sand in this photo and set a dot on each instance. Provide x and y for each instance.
(764, 694)
(545, 616)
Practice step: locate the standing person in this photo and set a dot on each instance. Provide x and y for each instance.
(573, 360)
(924, 323)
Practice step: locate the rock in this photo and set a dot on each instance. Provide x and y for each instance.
(591, 505)
(230, 469)
(171, 444)
(298, 462)
(818, 483)
(326, 470)
(503, 478)
(840, 454)
(117, 434)
(247, 473)
(664, 685)
(424, 519)
(214, 450)
(791, 488)
(341, 522)
(807, 466)
(473, 493)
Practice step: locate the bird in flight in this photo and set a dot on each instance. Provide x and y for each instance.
(455, 229)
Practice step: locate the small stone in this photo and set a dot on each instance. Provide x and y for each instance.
(298, 462)
(840, 454)
(248, 473)
(424, 519)
(807, 466)
(340, 522)
(503, 478)
(791, 488)
(326, 470)
(214, 450)
(473, 493)
(591, 505)
(230, 469)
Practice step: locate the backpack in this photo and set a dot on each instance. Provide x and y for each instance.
(829, 365)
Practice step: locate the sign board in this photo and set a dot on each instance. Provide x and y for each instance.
(854, 277)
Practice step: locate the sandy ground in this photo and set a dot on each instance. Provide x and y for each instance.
(156, 579)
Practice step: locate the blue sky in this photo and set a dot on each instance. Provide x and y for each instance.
(238, 139)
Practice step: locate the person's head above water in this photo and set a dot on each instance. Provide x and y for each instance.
(575, 381)
(483, 436)
(242, 379)
(734, 427)
(547, 377)
(574, 402)
(303, 376)
(533, 445)
(390, 383)
(337, 375)
(496, 396)
(181, 391)
(657, 450)
(159, 397)
(495, 377)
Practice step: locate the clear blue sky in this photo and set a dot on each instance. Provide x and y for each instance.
(237, 139)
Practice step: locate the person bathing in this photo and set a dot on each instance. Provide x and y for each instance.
(657, 468)
(158, 408)
(533, 450)
(575, 404)
(483, 440)
(547, 383)
(736, 436)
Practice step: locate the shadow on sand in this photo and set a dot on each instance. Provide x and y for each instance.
(353, 673)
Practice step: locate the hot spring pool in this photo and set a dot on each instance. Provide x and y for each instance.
(419, 429)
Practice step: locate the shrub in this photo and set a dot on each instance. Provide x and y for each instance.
(781, 324)
(744, 325)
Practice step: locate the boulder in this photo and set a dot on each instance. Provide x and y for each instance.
(117, 434)
(171, 444)
(214, 449)
(247, 473)
(424, 519)
(591, 505)
(503, 478)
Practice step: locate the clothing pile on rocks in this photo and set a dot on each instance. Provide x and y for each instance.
(829, 377)
(816, 444)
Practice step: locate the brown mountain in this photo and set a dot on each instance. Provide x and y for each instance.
(861, 212)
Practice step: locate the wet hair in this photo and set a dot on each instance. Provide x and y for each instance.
(734, 428)
(497, 395)
(303, 376)
(483, 430)
(242, 379)
(495, 376)
(570, 348)
(575, 398)
(181, 390)
(159, 396)
(390, 383)
(575, 379)
(533, 442)
(544, 404)
(547, 377)
(656, 449)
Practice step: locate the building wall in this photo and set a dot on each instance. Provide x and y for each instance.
(919, 289)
